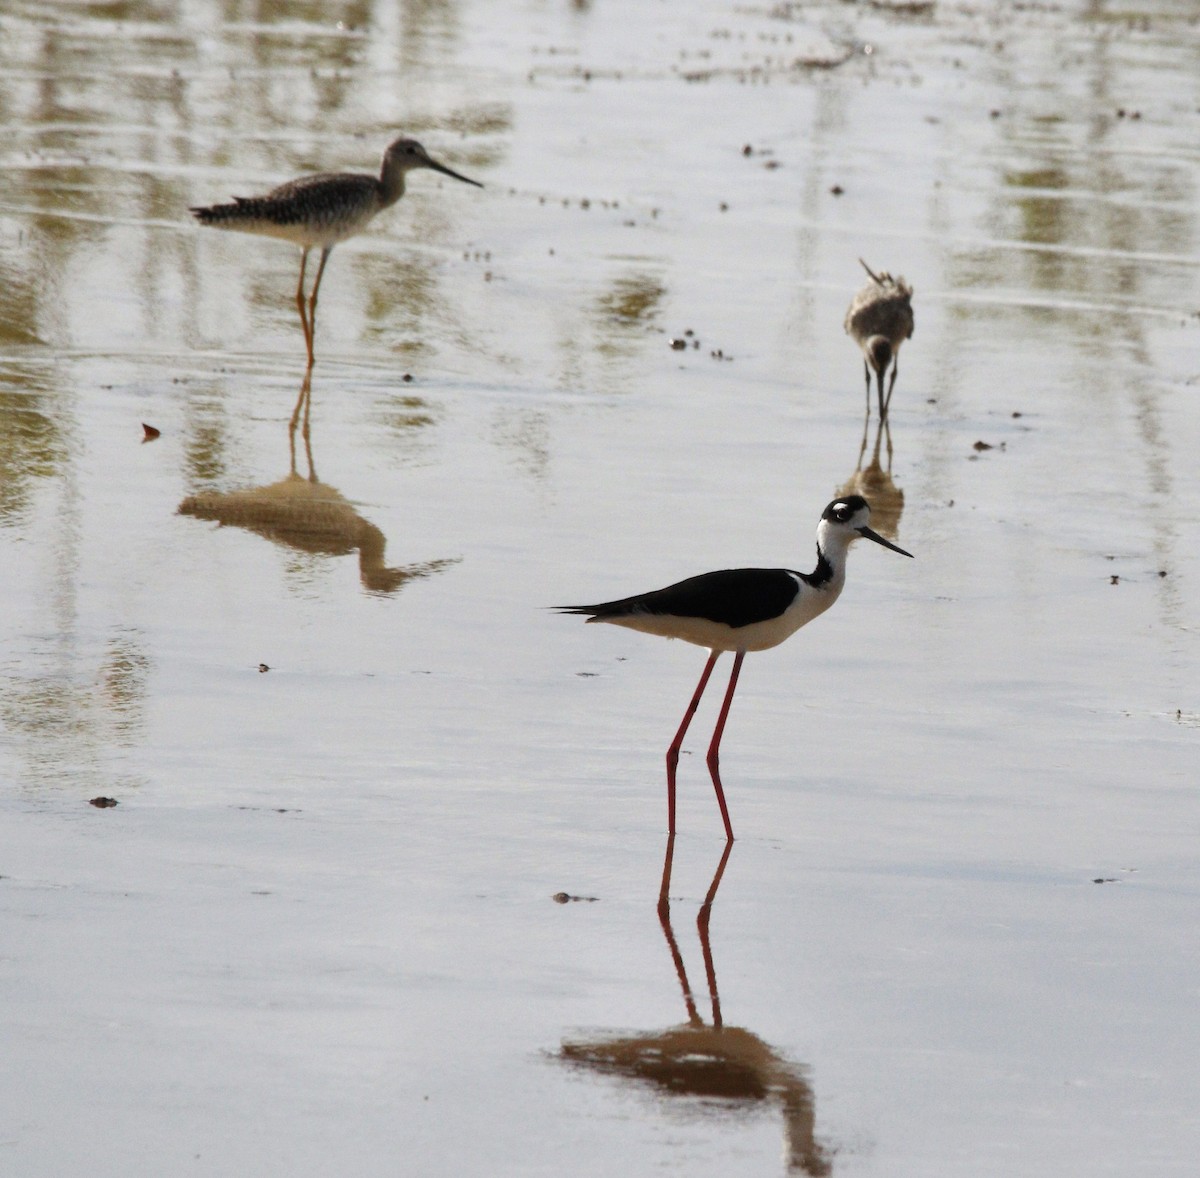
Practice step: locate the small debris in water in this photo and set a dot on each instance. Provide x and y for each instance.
(678, 344)
(102, 803)
(723, 206)
(567, 898)
(747, 150)
(149, 433)
(837, 190)
(993, 113)
(983, 446)
(1105, 879)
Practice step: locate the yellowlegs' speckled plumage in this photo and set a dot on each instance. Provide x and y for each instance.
(879, 320)
(741, 610)
(322, 210)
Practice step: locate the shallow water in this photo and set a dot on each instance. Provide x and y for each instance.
(318, 931)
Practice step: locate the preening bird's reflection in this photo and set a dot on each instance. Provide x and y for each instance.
(715, 1062)
(874, 481)
(303, 513)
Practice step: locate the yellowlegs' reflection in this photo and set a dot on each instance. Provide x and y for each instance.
(713, 1061)
(874, 482)
(301, 512)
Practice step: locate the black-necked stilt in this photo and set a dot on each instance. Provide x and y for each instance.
(741, 610)
(879, 320)
(323, 210)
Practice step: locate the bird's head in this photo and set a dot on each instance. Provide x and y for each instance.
(844, 521)
(879, 353)
(403, 155)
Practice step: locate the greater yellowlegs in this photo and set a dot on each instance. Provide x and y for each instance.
(879, 320)
(322, 210)
(741, 610)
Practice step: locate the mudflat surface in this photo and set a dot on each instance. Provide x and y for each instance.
(318, 933)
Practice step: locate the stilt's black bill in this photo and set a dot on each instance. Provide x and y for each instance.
(870, 535)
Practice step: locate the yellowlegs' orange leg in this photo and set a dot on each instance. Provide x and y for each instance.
(308, 343)
(302, 402)
(862, 449)
(308, 455)
(312, 303)
(891, 385)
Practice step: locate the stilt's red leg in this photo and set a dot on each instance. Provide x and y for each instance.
(702, 921)
(664, 918)
(714, 749)
(673, 751)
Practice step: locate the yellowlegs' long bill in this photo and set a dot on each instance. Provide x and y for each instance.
(323, 210)
(740, 610)
(879, 320)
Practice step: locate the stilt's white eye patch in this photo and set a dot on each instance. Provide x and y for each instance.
(842, 511)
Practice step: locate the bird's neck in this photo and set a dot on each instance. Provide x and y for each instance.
(391, 183)
(830, 573)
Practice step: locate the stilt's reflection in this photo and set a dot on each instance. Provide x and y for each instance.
(716, 1062)
(874, 482)
(301, 512)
